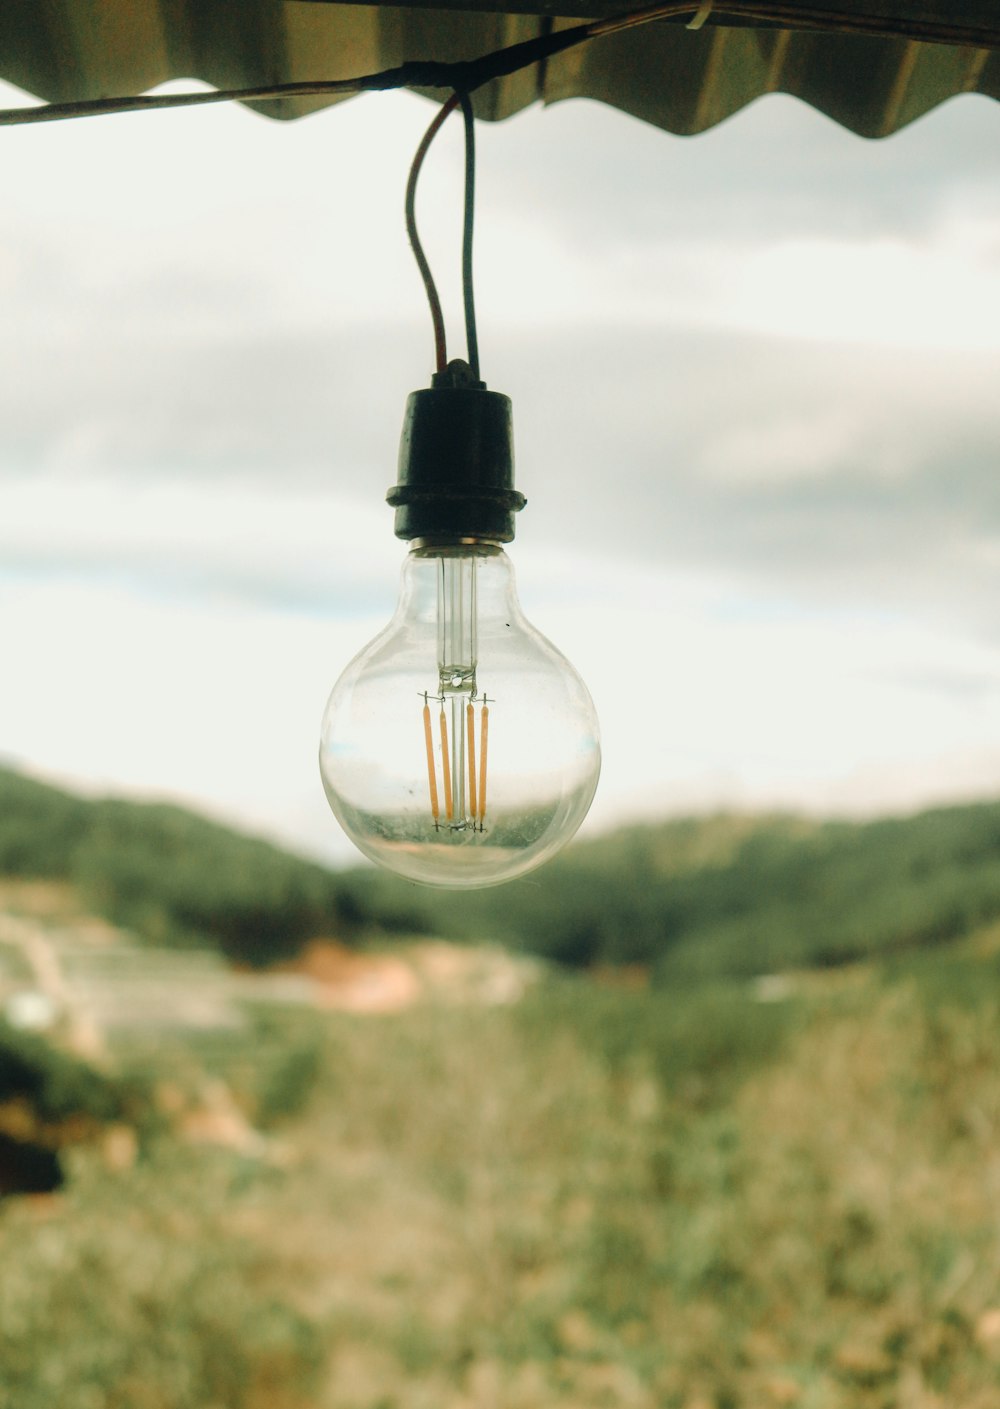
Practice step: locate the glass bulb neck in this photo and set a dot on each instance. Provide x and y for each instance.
(456, 464)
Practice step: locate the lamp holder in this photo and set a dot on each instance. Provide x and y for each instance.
(456, 462)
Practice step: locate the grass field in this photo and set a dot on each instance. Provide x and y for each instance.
(727, 1196)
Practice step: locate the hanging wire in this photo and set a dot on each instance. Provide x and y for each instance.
(437, 317)
(468, 220)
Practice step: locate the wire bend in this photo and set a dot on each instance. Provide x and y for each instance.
(457, 99)
(430, 288)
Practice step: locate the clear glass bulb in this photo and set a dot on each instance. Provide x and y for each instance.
(459, 748)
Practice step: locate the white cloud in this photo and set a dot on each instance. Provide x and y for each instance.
(938, 291)
(225, 539)
(942, 292)
(785, 444)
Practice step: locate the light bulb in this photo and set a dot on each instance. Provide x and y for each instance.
(459, 748)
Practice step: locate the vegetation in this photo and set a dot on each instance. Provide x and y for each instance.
(597, 1198)
(769, 1181)
(693, 899)
(169, 875)
(736, 896)
(55, 1085)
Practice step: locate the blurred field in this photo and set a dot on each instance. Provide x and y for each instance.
(742, 1151)
(733, 1195)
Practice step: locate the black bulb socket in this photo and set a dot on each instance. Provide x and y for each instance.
(456, 462)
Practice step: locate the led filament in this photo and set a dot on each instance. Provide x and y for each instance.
(463, 788)
(463, 793)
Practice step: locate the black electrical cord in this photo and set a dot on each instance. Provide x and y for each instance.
(468, 220)
(437, 317)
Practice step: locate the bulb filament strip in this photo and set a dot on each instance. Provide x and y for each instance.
(458, 762)
(484, 729)
(431, 773)
(471, 722)
(446, 767)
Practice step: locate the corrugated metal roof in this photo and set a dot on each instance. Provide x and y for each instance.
(683, 81)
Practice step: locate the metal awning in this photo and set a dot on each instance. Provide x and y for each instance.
(921, 53)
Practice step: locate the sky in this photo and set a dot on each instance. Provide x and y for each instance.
(754, 377)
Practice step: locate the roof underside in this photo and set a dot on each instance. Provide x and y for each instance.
(683, 81)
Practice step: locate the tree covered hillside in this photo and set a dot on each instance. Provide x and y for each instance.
(724, 896)
(736, 895)
(171, 876)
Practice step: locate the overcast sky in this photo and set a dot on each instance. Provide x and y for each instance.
(754, 377)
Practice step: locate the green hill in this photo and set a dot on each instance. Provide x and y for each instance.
(171, 876)
(723, 896)
(735, 895)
